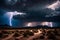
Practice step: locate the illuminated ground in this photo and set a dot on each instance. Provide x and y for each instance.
(30, 34)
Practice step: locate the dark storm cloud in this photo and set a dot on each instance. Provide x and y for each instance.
(34, 15)
(35, 11)
(41, 15)
(2, 11)
(19, 5)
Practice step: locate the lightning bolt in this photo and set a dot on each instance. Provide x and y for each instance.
(11, 19)
(11, 14)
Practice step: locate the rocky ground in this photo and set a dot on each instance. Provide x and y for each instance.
(30, 34)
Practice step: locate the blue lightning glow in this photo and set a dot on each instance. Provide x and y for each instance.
(11, 14)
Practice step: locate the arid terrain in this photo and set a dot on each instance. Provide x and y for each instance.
(30, 34)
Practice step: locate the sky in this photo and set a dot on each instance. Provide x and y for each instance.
(17, 12)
